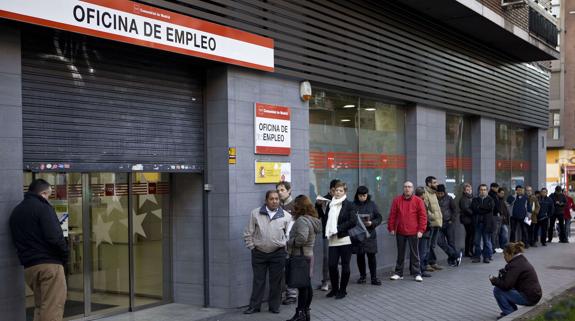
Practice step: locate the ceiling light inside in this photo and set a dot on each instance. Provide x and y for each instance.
(370, 109)
(349, 106)
(345, 120)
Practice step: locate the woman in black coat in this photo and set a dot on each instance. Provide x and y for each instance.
(517, 283)
(338, 220)
(368, 212)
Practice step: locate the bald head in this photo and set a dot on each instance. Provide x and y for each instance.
(407, 189)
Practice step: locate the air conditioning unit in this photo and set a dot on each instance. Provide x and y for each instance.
(513, 3)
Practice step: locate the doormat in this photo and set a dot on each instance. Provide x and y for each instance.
(72, 308)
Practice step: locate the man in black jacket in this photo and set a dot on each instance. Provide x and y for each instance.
(559, 201)
(42, 250)
(482, 207)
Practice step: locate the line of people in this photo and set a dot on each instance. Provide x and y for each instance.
(420, 218)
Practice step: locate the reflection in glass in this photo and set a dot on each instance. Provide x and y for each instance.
(359, 141)
(151, 201)
(109, 224)
(512, 156)
(458, 153)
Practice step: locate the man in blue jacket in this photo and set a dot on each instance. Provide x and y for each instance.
(42, 250)
(518, 215)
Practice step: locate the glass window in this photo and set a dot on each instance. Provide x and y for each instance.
(458, 161)
(360, 141)
(512, 156)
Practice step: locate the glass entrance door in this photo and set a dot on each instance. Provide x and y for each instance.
(109, 270)
(67, 200)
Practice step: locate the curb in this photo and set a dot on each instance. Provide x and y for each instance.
(516, 316)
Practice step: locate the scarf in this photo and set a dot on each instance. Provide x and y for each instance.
(333, 215)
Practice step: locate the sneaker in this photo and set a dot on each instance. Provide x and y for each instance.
(499, 250)
(425, 275)
(429, 269)
(396, 277)
(459, 258)
(418, 278)
(436, 267)
(324, 287)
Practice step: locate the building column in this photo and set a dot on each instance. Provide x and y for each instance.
(538, 158)
(425, 144)
(483, 151)
(12, 300)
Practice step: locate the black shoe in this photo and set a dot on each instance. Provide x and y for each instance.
(275, 311)
(251, 310)
(361, 280)
(544, 244)
(375, 281)
(475, 260)
(289, 301)
(486, 260)
(425, 275)
(331, 294)
(340, 295)
(298, 316)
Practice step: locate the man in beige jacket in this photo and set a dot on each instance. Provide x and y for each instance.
(266, 237)
(435, 218)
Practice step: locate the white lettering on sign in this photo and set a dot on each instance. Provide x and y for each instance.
(272, 129)
(143, 25)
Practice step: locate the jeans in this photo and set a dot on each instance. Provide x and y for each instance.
(446, 241)
(503, 236)
(519, 231)
(337, 253)
(542, 227)
(423, 247)
(414, 266)
(431, 258)
(480, 234)
(568, 228)
(495, 237)
(508, 300)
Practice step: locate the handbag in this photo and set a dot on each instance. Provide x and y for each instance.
(297, 271)
(359, 232)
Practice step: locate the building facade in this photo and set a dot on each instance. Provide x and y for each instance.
(561, 134)
(155, 151)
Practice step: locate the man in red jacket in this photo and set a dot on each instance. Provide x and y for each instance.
(569, 206)
(407, 221)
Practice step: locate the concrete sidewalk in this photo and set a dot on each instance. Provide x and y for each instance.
(457, 294)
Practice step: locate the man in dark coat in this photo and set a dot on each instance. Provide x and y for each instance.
(446, 240)
(482, 207)
(559, 201)
(42, 250)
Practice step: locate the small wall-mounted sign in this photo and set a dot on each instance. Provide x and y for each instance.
(272, 129)
(232, 155)
(272, 172)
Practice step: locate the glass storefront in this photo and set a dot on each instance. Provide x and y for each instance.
(100, 273)
(512, 162)
(458, 162)
(360, 141)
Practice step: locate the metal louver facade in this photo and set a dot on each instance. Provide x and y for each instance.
(386, 49)
(94, 104)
